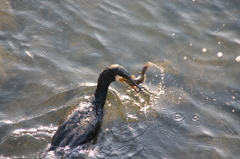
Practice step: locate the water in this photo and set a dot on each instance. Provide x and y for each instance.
(53, 51)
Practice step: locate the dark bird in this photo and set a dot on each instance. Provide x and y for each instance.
(84, 122)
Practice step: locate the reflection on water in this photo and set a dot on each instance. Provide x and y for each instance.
(52, 51)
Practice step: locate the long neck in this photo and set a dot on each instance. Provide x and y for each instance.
(104, 81)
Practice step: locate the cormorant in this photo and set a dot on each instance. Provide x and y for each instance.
(83, 124)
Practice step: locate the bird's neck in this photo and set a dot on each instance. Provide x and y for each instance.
(100, 96)
(102, 89)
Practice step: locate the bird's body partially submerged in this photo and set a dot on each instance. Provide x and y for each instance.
(83, 124)
(80, 127)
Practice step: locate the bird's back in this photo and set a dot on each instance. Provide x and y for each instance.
(80, 127)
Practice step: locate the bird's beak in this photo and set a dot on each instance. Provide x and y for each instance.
(131, 83)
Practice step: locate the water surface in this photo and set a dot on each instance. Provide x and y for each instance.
(51, 53)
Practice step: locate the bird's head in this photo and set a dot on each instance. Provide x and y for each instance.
(122, 75)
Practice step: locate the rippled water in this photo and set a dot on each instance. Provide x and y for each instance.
(51, 53)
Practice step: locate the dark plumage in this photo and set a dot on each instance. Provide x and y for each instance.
(83, 124)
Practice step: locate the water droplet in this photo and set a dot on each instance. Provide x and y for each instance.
(178, 117)
(238, 59)
(204, 50)
(195, 118)
(220, 54)
(132, 117)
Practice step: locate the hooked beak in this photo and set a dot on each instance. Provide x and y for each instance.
(131, 83)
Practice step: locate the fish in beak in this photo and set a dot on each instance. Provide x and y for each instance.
(129, 81)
